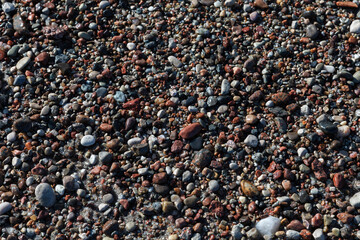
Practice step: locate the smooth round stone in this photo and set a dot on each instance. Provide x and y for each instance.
(355, 200)
(45, 110)
(103, 207)
(268, 226)
(130, 226)
(222, 109)
(60, 189)
(45, 195)
(251, 141)
(269, 104)
(329, 68)
(225, 87)
(305, 110)
(214, 185)
(254, 16)
(251, 119)
(312, 31)
(131, 46)
(22, 63)
(87, 140)
(292, 235)
(174, 61)
(104, 4)
(84, 35)
(5, 207)
(355, 26)
(16, 162)
(233, 166)
(328, 127)
(29, 181)
(108, 198)
(302, 151)
(217, 4)
(19, 80)
(11, 137)
(343, 131)
(93, 26)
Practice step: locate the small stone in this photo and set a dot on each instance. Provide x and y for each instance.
(251, 141)
(190, 131)
(207, 2)
(268, 226)
(174, 61)
(251, 119)
(343, 131)
(8, 7)
(104, 4)
(291, 234)
(130, 226)
(87, 140)
(355, 200)
(22, 63)
(295, 225)
(248, 188)
(191, 201)
(236, 232)
(141, 149)
(318, 234)
(103, 207)
(45, 195)
(69, 183)
(5, 207)
(105, 157)
(42, 58)
(84, 35)
(355, 26)
(260, 4)
(160, 178)
(214, 185)
(110, 226)
(328, 127)
(339, 180)
(11, 137)
(281, 98)
(302, 151)
(225, 87)
(202, 158)
(312, 31)
(167, 206)
(23, 125)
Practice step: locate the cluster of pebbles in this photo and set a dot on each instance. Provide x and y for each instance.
(178, 119)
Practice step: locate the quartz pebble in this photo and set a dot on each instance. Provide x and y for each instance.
(268, 226)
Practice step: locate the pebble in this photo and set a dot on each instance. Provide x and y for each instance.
(87, 140)
(174, 61)
(45, 195)
(8, 7)
(355, 200)
(5, 207)
(214, 185)
(11, 137)
(251, 141)
(318, 234)
(268, 226)
(355, 26)
(22, 63)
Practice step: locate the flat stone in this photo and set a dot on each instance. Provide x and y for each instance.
(84, 35)
(214, 185)
(22, 63)
(23, 125)
(191, 201)
(105, 157)
(11, 137)
(312, 31)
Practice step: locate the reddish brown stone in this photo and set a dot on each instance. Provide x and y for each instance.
(339, 180)
(160, 178)
(295, 225)
(132, 104)
(110, 226)
(252, 207)
(261, 4)
(277, 174)
(2, 55)
(124, 203)
(256, 96)
(190, 131)
(347, 4)
(177, 146)
(345, 217)
(306, 234)
(317, 220)
(106, 127)
(281, 98)
(42, 58)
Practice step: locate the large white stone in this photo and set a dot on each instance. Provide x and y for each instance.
(355, 200)
(355, 26)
